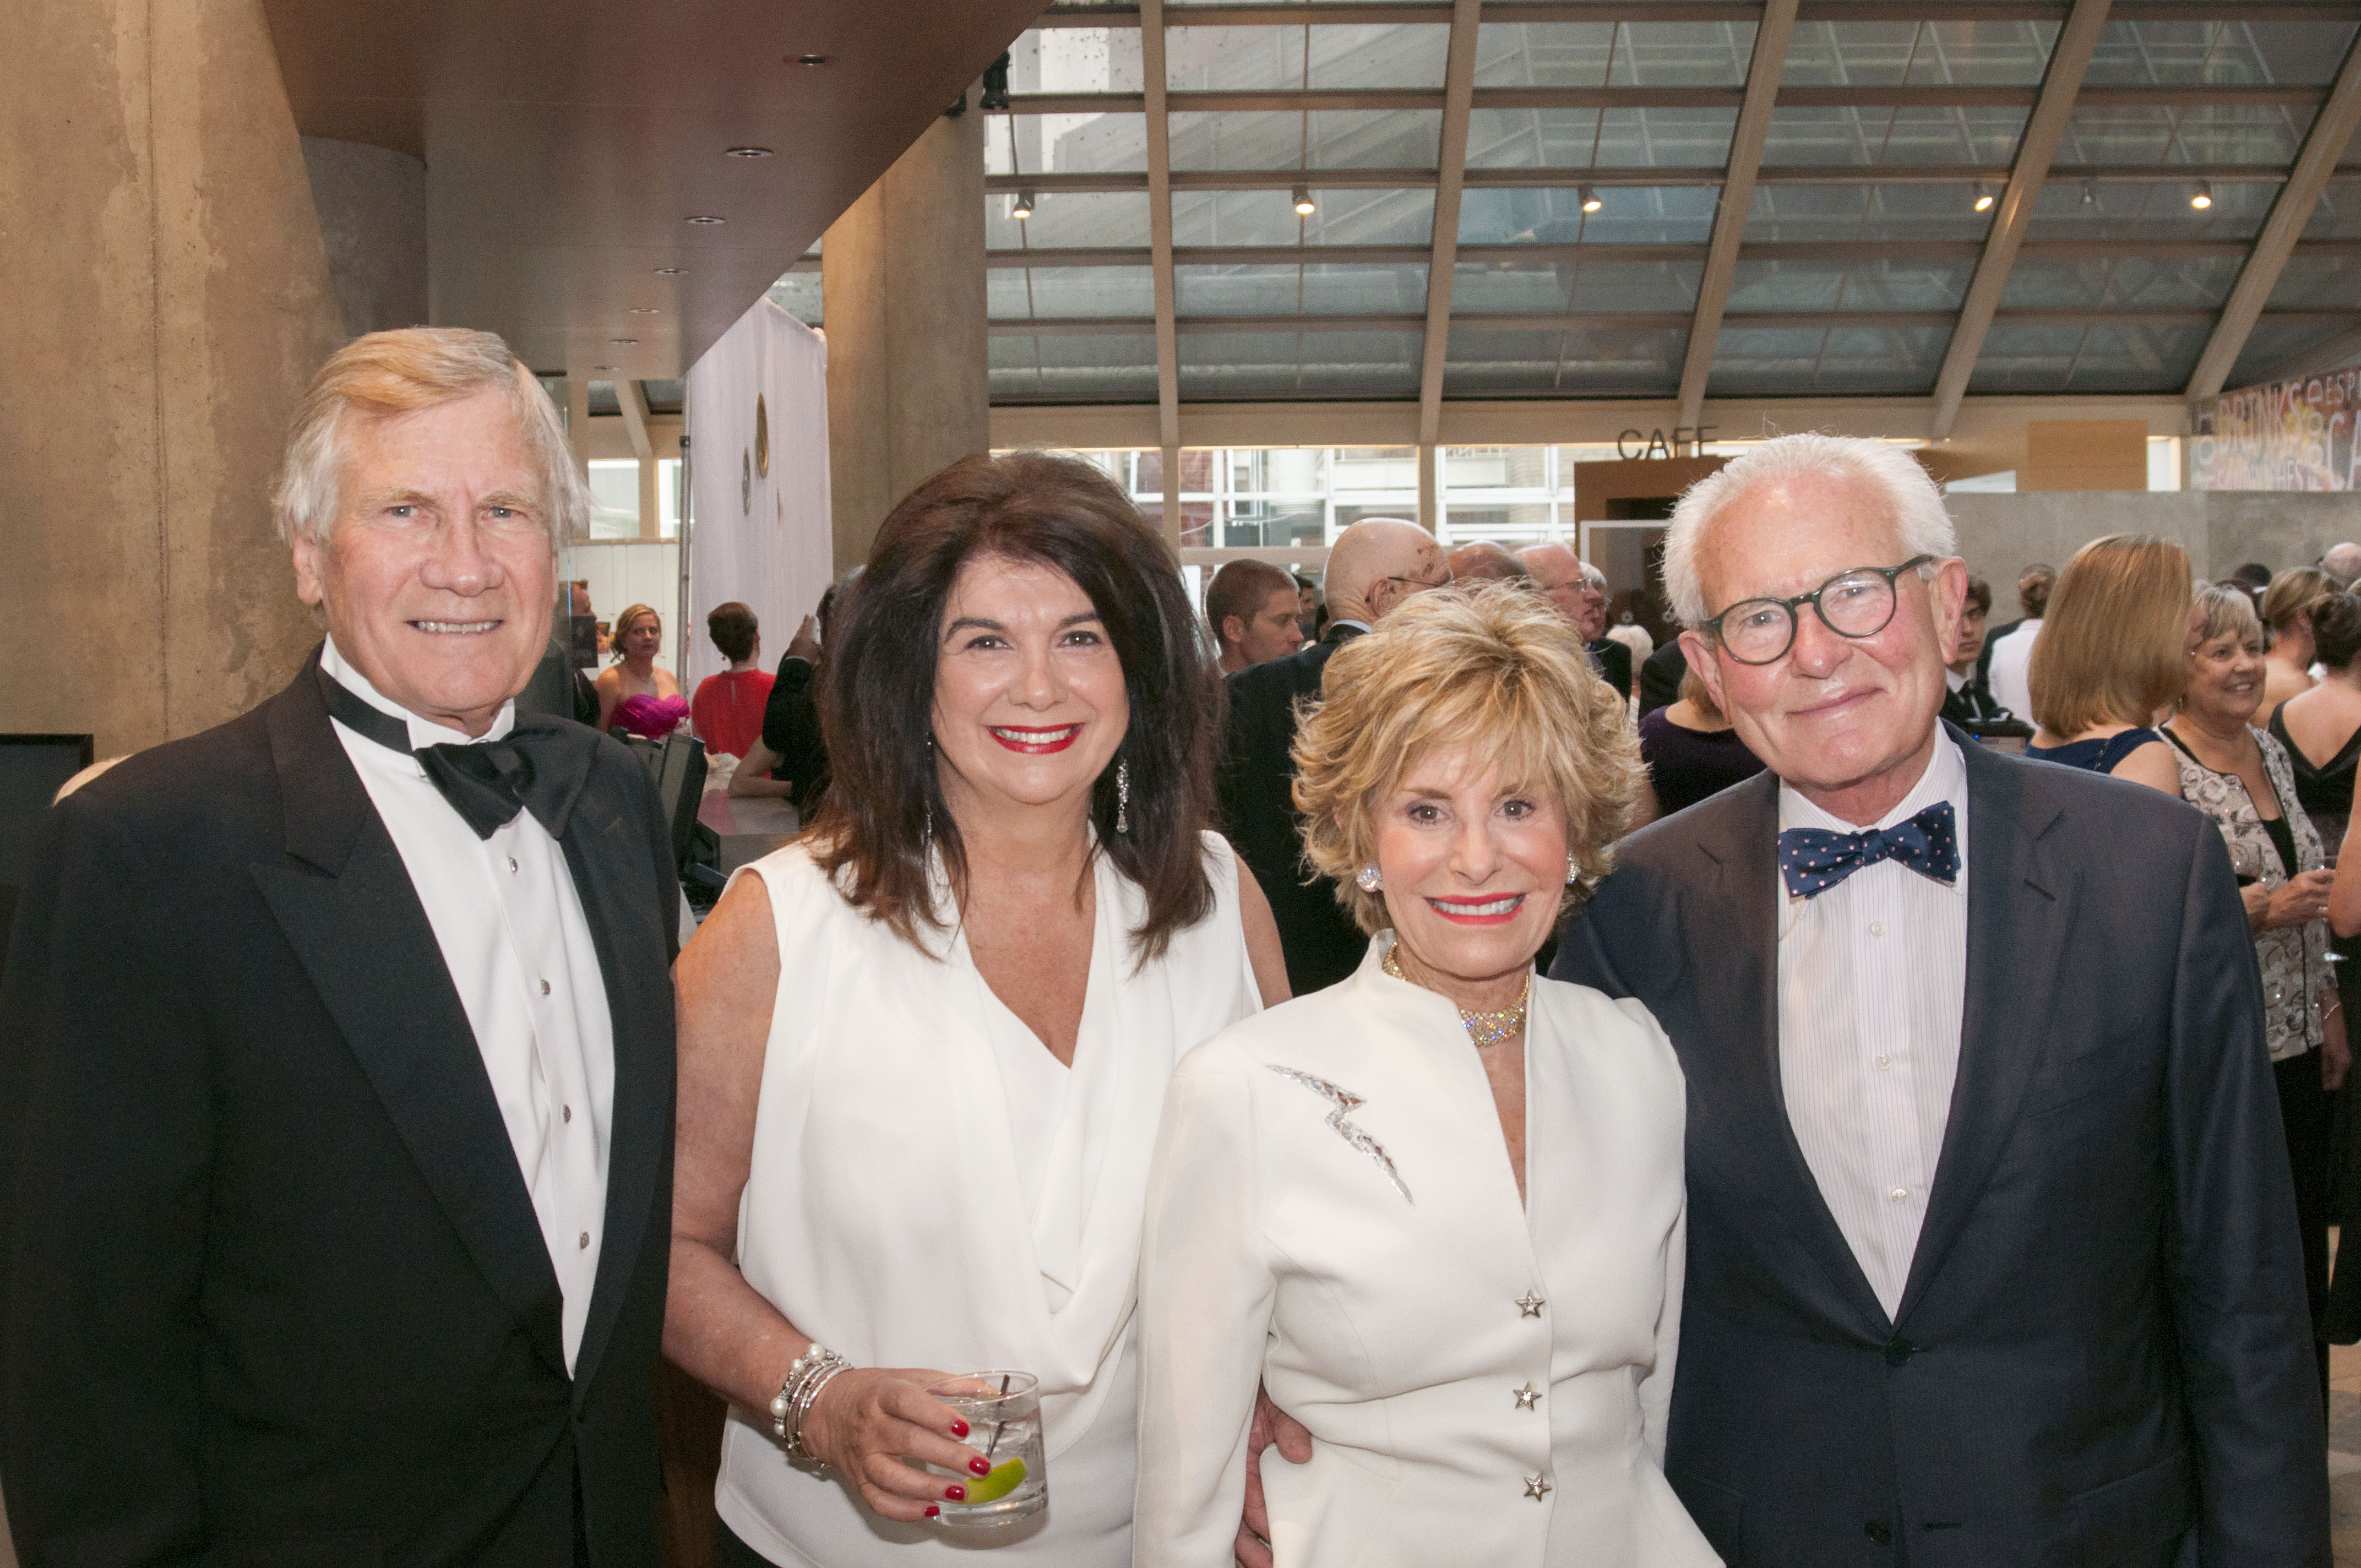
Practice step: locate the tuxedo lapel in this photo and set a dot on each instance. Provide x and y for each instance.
(621, 902)
(1733, 937)
(345, 904)
(2019, 904)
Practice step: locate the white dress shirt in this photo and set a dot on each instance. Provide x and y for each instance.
(2012, 656)
(1872, 983)
(508, 920)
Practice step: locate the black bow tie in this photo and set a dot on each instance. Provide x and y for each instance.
(539, 766)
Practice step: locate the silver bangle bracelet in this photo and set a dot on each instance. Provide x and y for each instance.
(809, 1373)
(797, 1447)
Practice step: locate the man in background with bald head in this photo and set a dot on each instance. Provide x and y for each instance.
(1578, 591)
(1373, 565)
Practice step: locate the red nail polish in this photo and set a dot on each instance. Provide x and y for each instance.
(933, 1512)
(955, 1492)
(981, 1466)
(959, 1427)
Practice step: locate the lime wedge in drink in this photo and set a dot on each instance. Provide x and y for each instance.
(1005, 1478)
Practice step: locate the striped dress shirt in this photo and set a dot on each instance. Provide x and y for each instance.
(1873, 983)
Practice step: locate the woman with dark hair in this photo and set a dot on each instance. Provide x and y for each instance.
(924, 1048)
(2321, 727)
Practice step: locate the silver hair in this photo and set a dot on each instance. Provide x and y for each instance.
(1924, 527)
(1592, 574)
(2227, 608)
(389, 373)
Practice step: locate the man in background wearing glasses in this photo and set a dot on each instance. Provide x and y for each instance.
(1993, 1255)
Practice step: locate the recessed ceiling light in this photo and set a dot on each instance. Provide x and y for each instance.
(748, 151)
(2090, 192)
(625, 342)
(602, 367)
(644, 311)
(1024, 207)
(707, 218)
(671, 271)
(2204, 198)
(811, 59)
(1304, 203)
(1590, 201)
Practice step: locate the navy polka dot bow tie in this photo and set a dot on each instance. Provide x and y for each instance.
(1814, 860)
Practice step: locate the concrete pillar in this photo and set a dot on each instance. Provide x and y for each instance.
(903, 293)
(172, 299)
(371, 202)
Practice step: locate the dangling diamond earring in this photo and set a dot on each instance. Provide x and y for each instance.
(1369, 881)
(1123, 796)
(1573, 869)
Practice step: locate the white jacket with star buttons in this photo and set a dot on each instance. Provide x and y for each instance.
(1330, 1213)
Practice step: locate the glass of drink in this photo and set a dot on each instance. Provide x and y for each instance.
(1003, 1411)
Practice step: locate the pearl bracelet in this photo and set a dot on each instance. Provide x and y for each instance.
(809, 1374)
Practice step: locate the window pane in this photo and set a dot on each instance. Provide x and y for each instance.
(1865, 212)
(1244, 60)
(1073, 368)
(1681, 54)
(1581, 362)
(2338, 216)
(1298, 364)
(1332, 138)
(2317, 283)
(614, 498)
(1529, 138)
(1610, 286)
(1543, 54)
(1907, 135)
(2290, 52)
(2039, 282)
(2273, 344)
(1066, 219)
(1076, 60)
(1351, 290)
(2203, 133)
(1050, 292)
(1891, 53)
(1268, 217)
(2099, 356)
(1065, 144)
(798, 294)
(2128, 210)
(1657, 214)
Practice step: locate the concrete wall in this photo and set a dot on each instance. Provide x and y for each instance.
(158, 230)
(903, 280)
(2001, 534)
(371, 202)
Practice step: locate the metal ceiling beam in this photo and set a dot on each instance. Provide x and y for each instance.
(2068, 59)
(1925, 94)
(1292, 16)
(1620, 177)
(1746, 142)
(1626, 321)
(2323, 145)
(1159, 246)
(1458, 96)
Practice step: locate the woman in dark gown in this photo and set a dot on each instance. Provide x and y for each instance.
(2321, 728)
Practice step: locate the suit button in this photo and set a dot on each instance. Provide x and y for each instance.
(1878, 1532)
(1898, 1351)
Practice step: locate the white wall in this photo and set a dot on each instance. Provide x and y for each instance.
(2001, 534)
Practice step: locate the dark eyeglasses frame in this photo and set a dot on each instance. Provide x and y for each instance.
(1448, 578)
(1794, 607)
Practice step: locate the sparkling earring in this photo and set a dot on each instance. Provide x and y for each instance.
(1573, 869)
(1123, 796)
(1369, 881)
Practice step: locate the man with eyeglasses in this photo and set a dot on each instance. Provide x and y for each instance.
(1993, 1255)
(1373, 565)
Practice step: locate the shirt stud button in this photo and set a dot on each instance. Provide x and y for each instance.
(1899, 1193)
(1877, 928)
(544, 988)
(567, 1110)
(1884, 1061)
(585, 1241)
(511, 863)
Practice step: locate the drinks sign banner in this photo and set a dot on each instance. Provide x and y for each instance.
(2290, 436)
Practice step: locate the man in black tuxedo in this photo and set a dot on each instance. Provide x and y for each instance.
(1992, 1245)
(1373, 565)
(336, 1057)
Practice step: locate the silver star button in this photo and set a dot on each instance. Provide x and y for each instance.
(1529, 1305)
(1537, 1488)
(1528, 1395)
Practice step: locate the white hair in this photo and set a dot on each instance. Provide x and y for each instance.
(1923, 526)
(389, 373)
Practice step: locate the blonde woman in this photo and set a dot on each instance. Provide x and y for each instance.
(2111, 656)
(635, 675)
(2287, 610)
(1437, 1208)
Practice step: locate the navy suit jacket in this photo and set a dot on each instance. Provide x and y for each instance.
(2104, 1352)
(272, 1290)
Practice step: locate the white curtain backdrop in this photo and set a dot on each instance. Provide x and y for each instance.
(762, 539)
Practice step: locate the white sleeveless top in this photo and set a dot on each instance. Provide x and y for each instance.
(923, 1193)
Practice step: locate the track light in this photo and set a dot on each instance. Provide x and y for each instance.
(1304, 205)
(2090, 192)
(1590, 201)
(1984, 199)
(1024, 207)
(2204, 197)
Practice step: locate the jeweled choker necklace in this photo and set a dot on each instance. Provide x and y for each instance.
(1484, 1028)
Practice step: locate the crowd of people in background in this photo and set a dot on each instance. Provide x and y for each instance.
(1387, 1070)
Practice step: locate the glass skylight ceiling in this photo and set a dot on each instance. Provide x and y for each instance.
(1597, 146)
